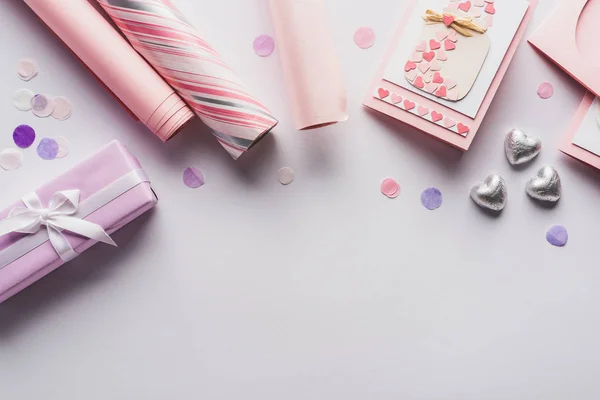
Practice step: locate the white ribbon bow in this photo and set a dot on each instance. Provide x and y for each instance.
(57, 217)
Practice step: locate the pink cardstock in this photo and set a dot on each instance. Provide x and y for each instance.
(90, 176)
(460, 135)
(569, 37)
(567, 145)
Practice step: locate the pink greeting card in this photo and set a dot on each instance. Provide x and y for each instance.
(569, 37)
(446, 62)
(583, 140)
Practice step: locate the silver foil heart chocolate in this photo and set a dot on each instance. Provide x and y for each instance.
(491, 194)
(545, 186)
(520, 147)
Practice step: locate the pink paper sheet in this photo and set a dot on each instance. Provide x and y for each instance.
(91, 175)
(310, 65)
(569, 37)
(118, 66)
(567, 145)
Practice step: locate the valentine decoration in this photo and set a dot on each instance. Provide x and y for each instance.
(390, 188)
(263, 45)
(53, 225)
(364, 37)
(27, 69)
(311, 68)
(24, 136)
(285, 175)
(545, 186)
(119, 67)
(557, 235)
(22, 99)
(11, 159)
(62, 108)
(491, 194)
(193, 177)
(47, 149)
(431, 198)
(583, 138)
(520, 147)
(162, 34)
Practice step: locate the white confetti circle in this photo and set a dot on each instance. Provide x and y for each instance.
(27, 69)
(285, 175)
(22, 99)
(62, 108)
(11, 159)
(63, 146)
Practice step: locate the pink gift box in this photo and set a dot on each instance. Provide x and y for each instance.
(112, 174)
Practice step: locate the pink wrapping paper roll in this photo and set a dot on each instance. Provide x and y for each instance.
(120, 68)
(310, 66)
(170, 43)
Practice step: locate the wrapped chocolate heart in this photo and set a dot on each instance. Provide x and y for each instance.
(491, 194)
(545, 186)
(520, 147)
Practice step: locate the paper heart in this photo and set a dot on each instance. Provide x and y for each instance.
(449, 122)
(396, 98)
(489, 20)
(491, 194)
(452, 94)
(424, 67)
(441, 35)
(431, 87)
(453, 36)
(441, 55)
(422, 46)
(435, 66)
(545, 186)
(466, 6)
(478, 3)
(408, 105)
(521, 148)
(419, 82)
(429, 55)
(442, 92)
(450, 84)
(411, 75)
(428, 77)
(462, 129)
(489, 8)
(437, 78)
(448, 19)
(449, 45)
(410, 66)
(383, 93)
(453, 6)
(436, 116)
(475, 13)
(416, 57)
(434, 44)
(421, 111)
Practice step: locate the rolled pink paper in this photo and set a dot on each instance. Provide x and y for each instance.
(310, 66)
(120, 68)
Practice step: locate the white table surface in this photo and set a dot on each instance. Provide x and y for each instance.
(246, 289)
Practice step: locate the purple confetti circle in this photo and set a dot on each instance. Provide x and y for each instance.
(264, 45)
(193, 177)
(431, 198)
(48, 149)
(24, 136)
(557, 235)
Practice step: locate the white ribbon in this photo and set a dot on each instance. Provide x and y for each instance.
(57, 217)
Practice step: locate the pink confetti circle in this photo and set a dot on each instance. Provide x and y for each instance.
(390, 188)
(264, 45)
(364, 37)
(193, 177)
(545, 90)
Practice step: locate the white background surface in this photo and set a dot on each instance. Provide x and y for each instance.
(245, 289)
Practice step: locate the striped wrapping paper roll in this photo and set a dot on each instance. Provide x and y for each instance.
(159, 32)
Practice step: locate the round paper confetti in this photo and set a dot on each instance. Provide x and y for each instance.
(24, 136)
(364, 37)
(62, 108)
(63, 146)
(431, 198)
(545, 90)
(22, 99)
(27, 69)
(285, 175)
(42, 105)
(264, 45)
(47, 149)
(11, 159)
(390, 188)
(557, 236)
(193, 177)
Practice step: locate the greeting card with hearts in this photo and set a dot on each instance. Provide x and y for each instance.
(583, 140)
(448, 57)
